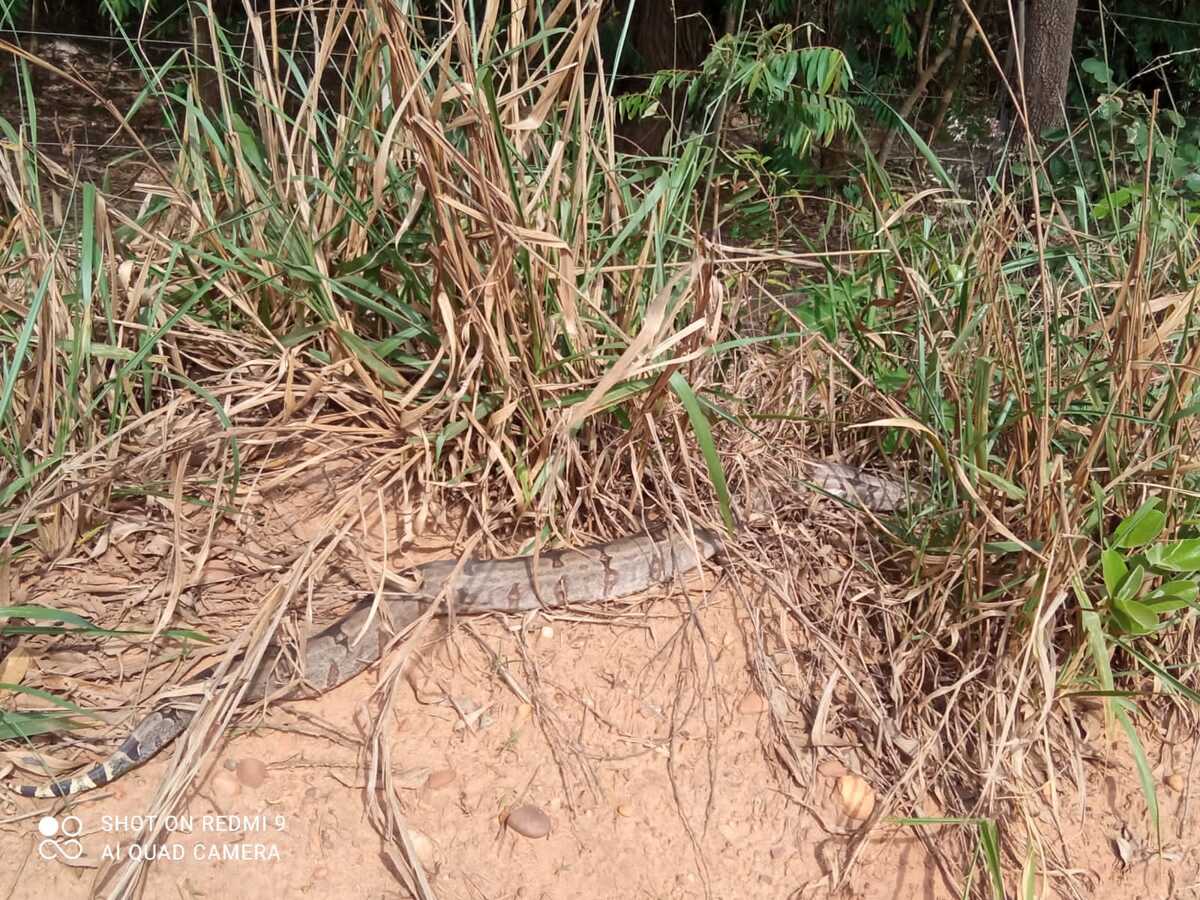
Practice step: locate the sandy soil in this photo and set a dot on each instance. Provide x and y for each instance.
(634, 811)
(639, 735)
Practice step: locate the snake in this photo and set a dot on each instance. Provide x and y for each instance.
(552, 579)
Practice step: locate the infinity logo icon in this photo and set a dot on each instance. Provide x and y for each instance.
(60, 838)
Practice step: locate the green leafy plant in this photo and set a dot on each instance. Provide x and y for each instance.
(1144, 594)
(1142, 578)
(794, 94)
(1147, 43)
(1100, 171)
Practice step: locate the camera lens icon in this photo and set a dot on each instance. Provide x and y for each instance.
(60, 838)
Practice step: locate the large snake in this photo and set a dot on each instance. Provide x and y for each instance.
(342, 650)
(555, 578)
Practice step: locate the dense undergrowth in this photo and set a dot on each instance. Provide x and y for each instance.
(432, 243)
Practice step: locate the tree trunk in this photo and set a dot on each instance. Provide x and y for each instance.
(670, 34)
(1049, 29)
(667, 34)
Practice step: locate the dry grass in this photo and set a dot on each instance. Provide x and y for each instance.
(443, 269)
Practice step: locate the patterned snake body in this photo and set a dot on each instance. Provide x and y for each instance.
(348, 646)
(557, 578)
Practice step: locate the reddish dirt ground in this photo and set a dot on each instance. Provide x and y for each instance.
(643, 742)
(621, 807)
(640, 736)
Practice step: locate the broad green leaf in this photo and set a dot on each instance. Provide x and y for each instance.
(21, 726)
(1171, 596)
(989, 841)
(1159, 605)
(1118, 199)
(931, 820)
(1115, 570)
(1029, 875)
(1096, 642)
(46, 613)
(1139, 619)
(1140, 527)
(47, 697)
(1184, 588)
(1010, 490)
(1120, 621)
(1130, 584)
(923, 148)
(1099, 70)
(1175, 556)
(367, 356)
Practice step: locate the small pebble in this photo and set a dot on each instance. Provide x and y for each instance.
(529, 821)
(1175, 782)
(125, 273)
(858, 800)
(625, 810)
(252, 772)
(423, 847)
(830, 577)
(216, 571)
(752, 704)
(440, 778)
(831, 768)
(225, 786)
(547, 632)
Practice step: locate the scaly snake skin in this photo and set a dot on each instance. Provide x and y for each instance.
(559, 578)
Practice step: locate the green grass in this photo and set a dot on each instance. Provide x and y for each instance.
(435, 243)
